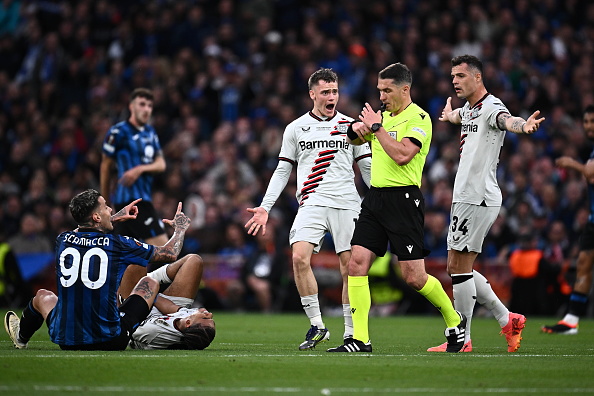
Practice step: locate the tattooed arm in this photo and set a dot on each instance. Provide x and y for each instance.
(128, 212)
(518, 124)
(169, 252)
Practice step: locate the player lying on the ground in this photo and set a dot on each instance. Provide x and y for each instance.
(172, 324)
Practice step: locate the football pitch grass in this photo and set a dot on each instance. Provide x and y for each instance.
(256, 354)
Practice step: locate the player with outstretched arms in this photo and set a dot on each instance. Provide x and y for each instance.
(477, 197)
(326, 192)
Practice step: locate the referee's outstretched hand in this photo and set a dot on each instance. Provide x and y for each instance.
(259, 219)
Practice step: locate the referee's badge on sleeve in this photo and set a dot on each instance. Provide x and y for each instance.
(419, 130)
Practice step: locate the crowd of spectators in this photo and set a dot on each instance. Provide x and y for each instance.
(229, 75)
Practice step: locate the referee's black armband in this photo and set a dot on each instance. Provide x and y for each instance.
(416, 142)
(350, 133)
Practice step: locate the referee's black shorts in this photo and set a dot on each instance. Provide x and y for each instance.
(395, 215)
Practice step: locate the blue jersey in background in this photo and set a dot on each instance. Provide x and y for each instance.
(130, 147)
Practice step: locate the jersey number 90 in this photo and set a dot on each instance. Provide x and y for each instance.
(69, 275)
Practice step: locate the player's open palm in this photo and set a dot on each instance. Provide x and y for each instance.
(258, 220)
(532, 123)
(447, 114)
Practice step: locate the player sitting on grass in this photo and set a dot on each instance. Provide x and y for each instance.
(90, 262)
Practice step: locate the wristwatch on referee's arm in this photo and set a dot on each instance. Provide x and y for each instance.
(375, 127)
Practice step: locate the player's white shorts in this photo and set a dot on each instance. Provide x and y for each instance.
(313, 222)
(469, 225)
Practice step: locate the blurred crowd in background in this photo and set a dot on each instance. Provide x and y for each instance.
(229, 75)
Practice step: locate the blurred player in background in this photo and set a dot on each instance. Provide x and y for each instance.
(578, 300)
(133, 147)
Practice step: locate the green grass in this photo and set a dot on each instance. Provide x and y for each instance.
(257, 354)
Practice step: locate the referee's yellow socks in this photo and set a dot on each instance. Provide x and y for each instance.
(433, 291)
(360, 300)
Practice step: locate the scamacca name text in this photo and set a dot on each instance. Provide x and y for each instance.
(99, 241)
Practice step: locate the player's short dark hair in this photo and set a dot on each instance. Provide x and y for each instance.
(322, 74)
(197, 336)
(83, 204)
(589, 109)
(397, 72)
(141, 93)
(470, 60)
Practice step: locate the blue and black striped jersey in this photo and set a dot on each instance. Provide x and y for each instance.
(130, 147)
(89, 268)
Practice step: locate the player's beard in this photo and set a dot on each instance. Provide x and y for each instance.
(140, 121)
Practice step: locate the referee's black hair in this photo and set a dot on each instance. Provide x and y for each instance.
(322, 74)
(397, 72)
(589, 109)
(470, 60)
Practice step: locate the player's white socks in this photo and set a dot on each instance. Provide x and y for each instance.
(571, 319)
(487, 298)
(348, 321)
(464, 298)
(160, 275)
(311, 306)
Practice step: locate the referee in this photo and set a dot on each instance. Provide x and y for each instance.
(393, 210)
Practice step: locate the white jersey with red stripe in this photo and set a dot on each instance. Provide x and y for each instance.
(158, 330)
(480, 144)
(325, 175)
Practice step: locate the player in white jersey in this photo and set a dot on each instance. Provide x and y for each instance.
(172, 323)
(172, 331)
(477, 198)
(326, 191)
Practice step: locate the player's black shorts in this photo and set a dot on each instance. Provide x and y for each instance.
(146, 225)
(394, 214)
(587, 237)
(132, 312)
